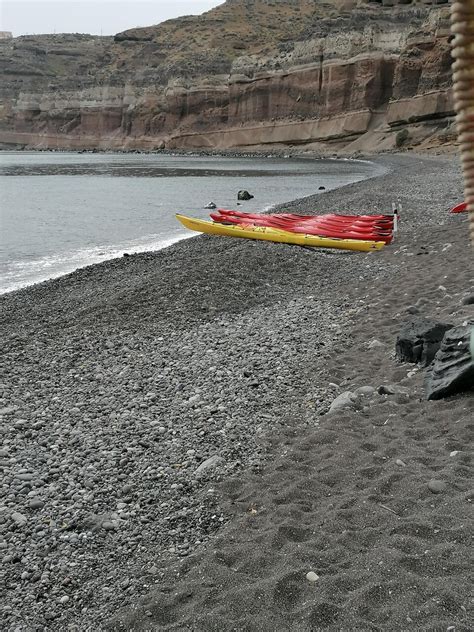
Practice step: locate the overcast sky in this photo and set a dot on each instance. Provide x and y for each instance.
(92, 16)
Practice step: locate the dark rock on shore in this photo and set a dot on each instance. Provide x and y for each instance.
(453, 368)
(419, 340)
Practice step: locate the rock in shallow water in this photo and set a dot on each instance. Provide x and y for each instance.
(244, 195)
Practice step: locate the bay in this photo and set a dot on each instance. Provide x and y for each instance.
(62, 211)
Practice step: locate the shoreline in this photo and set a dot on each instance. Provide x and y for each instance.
(117, 252)
(284, 151)
(125, 377)
(168, 243)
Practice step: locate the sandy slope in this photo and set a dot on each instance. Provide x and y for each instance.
(390, 554)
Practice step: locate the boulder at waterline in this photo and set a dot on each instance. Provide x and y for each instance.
(244, 195)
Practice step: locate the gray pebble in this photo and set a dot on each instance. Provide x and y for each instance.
(108, 525)
(346, 400)
(19, 518)
(50, 616)
(365, 390)
(436, 486)
(208, 465)
(25, 477)
(392, 389)
(8, 410)
(36, 503)
(375, 344)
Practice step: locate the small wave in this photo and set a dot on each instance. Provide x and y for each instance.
(19, 274)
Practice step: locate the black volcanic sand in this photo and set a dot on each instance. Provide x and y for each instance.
(122, 378)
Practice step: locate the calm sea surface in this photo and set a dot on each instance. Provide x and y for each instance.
(61, 211)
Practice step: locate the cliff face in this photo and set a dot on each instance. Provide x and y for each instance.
(246, 73)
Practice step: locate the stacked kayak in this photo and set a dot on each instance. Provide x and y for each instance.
(359, 227)
(460, 208)
(269, 233)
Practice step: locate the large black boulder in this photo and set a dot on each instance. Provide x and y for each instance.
(419, 340)
(244, 195)
(452, 370)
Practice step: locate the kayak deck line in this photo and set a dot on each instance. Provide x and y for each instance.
(265, 233)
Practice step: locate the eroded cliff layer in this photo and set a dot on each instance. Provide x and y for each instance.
(246, 73)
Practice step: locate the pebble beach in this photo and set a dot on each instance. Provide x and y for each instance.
(168, 461)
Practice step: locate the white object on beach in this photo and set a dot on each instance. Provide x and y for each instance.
(312, 577)
(395, 211)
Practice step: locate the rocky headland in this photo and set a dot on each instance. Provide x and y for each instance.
(341, 75)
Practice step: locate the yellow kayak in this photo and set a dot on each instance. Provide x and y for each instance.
(266, 233)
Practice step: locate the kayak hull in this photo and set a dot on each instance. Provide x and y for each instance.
(326, 229)
(460, 208)
(265, 233)
(359, 227)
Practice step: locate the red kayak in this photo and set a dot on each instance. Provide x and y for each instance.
(369, 227)
(370, 219)
(328, 222)
(460, 208)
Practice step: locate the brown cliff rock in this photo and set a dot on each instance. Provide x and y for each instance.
(245, 73)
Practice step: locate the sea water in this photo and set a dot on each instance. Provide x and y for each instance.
(63, 211)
